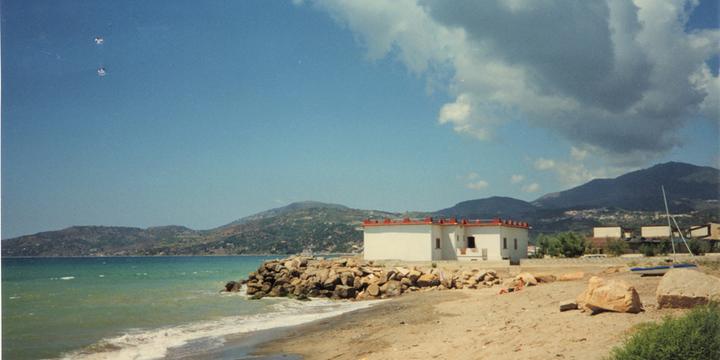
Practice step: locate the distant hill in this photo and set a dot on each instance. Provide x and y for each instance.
(309, 225)
(496, 206)
(630, 199)
(688, 187)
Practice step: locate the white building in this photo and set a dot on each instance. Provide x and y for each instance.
(655, 231)
(610, 232)
(428, 240)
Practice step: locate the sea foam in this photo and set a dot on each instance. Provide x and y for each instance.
(153, 344)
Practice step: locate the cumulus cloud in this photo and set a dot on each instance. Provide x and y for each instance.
(531, 188)
(544, 164)
(517, 178)
(618, 76)
(477, 185)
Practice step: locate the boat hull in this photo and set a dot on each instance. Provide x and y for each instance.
(660, 270)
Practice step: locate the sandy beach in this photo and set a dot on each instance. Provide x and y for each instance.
(473, 324)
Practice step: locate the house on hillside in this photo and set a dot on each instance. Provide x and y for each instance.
(430, 239)
(710, 231)
(603, 234)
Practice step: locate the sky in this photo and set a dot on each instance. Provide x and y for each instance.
(210, 111)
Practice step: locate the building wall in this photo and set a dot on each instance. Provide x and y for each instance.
(401, 242)
(447, 235)
(417, 242)
(614, 232)
(486, 237)
(512, 234)
(655, 231)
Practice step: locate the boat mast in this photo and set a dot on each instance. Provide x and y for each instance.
(667, 213)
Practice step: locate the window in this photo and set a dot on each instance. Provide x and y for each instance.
(471, 242)
(437, 243)
(515, 240)
(504, 243)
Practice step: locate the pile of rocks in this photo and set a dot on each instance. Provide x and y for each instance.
(349, 278)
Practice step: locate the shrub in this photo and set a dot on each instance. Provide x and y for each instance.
(695, 335)
(648, 250)
(699, 247)
(568, 244)
(617, 247)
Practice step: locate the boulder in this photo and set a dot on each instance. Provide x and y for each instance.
(685, 288)
(543, 278)
(572, 276)
(344, 292)
(232, 286)
(414, 275)
(527, 278)
(373, 289)
(426, 280)
(609, 295)
(391, 288)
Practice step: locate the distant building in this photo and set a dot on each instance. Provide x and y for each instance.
(709, 231)
(655, 232)
(429, 239)
(611, 232)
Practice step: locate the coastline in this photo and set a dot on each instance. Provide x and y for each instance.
(470, 324)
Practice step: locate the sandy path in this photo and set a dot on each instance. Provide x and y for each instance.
(474, 324)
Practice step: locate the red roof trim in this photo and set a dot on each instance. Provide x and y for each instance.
(451, 221)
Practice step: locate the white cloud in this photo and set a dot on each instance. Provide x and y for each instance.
(477, 185)
(531, 188)
(544, 164)
(619, 76)
(578, 154)
(515, 179)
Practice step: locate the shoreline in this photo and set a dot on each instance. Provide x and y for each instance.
(475, 323)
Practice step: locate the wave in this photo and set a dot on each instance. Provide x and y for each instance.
(155, 343)
(67, 278)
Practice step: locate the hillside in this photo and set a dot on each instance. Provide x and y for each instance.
(688, 186)
(300, 226)
(631, 199)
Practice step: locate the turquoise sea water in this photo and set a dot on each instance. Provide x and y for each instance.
(55, 307)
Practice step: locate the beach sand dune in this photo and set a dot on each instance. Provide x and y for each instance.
(475, 324)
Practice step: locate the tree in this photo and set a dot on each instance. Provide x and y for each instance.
(568, 244)
(648, 250)
(617, 247)
(572, 244)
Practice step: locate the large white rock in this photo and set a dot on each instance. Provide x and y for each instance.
(685, 288)
(609, 295)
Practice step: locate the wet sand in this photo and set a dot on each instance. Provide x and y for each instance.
(473, 324)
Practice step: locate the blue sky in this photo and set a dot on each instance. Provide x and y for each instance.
(211, 111)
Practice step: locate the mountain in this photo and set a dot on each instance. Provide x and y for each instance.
(310, 225)
(688, 186)
(632, 199)
(496, 206)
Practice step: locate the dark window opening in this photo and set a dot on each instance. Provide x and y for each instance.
(504, 243)
(515, 244)
(471, 242)
(437, 243)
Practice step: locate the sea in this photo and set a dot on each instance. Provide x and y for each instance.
(141, 308)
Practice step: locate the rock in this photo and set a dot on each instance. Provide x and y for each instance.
(344, 292)
(414, 275)
(609, 295)
(402, 271)
(543, 278)
(232, 286)
(426, 280)
(266, 287)
(572, 276)
(685, 288)
(568, 305)
(373, 290)
(527, 278)
(391, 288)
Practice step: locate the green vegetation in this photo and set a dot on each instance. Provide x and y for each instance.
(695, 335)
(648, 250)
(617, 247)
(567, 244)
(699, 247)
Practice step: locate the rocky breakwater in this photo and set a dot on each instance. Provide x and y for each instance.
(349, 278)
